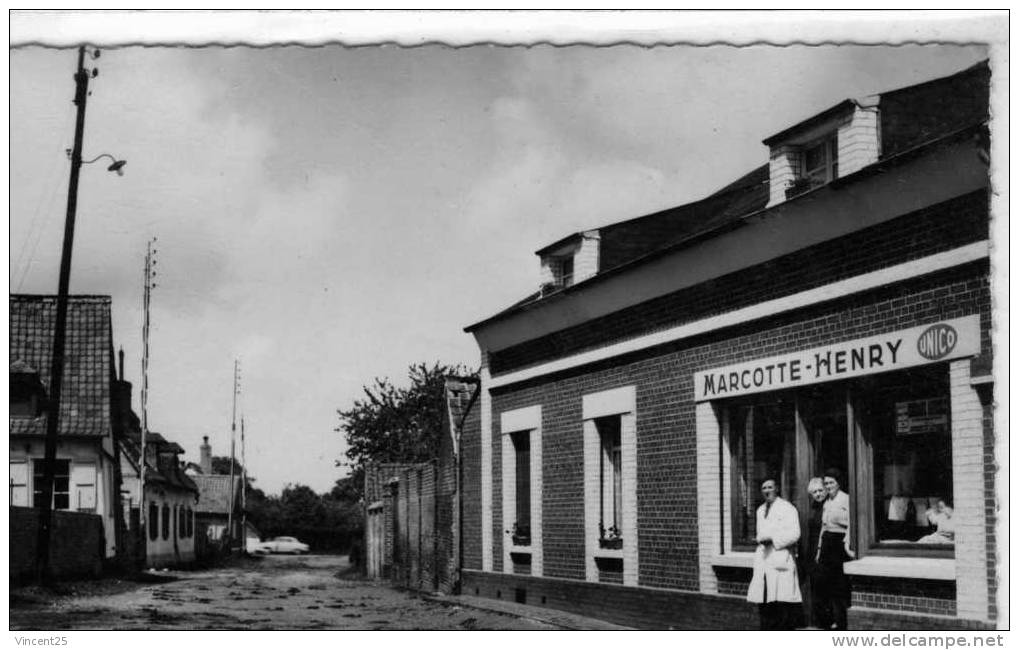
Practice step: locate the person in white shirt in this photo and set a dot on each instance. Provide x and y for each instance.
(833, 550)
(775, 586)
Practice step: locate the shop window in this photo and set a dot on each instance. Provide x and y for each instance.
(890, 435)
(905, 419)
(165, 523)
(761, 434)
(153, 522)
(61, 483)
(610, 526)
(19, 484)
(83, 477)
(522, 485)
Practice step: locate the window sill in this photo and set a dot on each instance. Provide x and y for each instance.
(902, 567)
(520, 549)
(741, 559)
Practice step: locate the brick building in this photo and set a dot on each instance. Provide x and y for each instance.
(830, 308)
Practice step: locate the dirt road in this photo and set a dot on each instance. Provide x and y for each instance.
(313, 592)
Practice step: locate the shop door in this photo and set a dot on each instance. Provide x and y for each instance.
(822, 441)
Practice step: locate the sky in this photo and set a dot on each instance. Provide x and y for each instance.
(330, 215)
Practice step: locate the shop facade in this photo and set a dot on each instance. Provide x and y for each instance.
(627, 418)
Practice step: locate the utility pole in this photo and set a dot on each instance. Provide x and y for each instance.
(150, 273)
(60, 329)
(233, 433)
(244, 484)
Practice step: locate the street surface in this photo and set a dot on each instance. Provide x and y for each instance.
(312, 592)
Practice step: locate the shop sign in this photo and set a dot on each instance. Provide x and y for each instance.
(921, 416)
(950, 339)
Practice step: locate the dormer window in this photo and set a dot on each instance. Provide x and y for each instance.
(817, 163)
(821, 161)
(28, 396)
(562, 271)
(830, 145)
(569, 261)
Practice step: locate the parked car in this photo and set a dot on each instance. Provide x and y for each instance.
(285, 545)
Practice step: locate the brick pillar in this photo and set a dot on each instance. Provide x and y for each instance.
(968, 480)
(509, 501)
(486, 470)
(628, 443)
(537, 556)
(709, 526)
(592, 457)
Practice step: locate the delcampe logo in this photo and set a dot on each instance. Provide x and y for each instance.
(937, 341)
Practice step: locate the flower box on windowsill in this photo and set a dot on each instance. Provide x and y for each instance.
(521, 540)
(614, 543)
(800, 186)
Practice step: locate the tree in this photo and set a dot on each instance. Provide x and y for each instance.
(396, 425)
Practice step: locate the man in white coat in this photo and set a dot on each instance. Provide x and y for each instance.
(775, 585)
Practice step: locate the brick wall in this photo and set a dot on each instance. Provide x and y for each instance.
(666, 448)
(936, 597)
(991, 510)
(419, 517)
(427, 539)
(936, 229)
(640, 608)
(873, 619)
(446, 542)
(77, 543)
(470, 450)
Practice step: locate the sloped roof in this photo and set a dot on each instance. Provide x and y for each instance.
(214, 492)
(173, 476)
(85, 399)
(911, 118)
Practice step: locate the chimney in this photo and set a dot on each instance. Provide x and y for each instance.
(206, 456)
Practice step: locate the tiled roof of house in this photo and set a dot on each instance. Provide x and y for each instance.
(171, 475)
(911, 117)
(88, 360)
(214, 494)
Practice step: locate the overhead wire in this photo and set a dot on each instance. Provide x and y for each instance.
(35, 227)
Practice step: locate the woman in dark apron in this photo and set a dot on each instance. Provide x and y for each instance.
(832, 551)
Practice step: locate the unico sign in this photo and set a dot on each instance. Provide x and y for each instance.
(937, 341)
(951, 339)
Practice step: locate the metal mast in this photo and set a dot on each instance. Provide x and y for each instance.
(150, 273)
(233, 433)
(244, 484)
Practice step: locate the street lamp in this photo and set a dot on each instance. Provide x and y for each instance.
(117, 166)
(60, 326)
